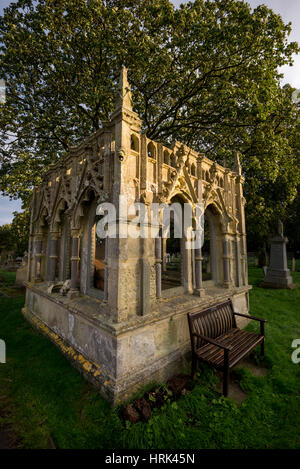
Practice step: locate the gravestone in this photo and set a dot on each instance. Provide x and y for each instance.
(21, 275)
(278, 274)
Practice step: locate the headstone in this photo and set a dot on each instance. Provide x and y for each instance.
(278, 274)
(293, 264)
(21, 275)
(167, 258)
(262, 257)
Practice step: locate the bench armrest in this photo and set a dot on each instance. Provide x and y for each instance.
(212, 341)
(250, 317)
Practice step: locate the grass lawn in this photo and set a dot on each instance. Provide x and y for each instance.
(46, 401)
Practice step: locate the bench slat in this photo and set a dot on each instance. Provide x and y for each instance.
(240, 341)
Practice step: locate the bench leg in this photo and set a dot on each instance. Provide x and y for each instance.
(226, 373)
(262, 345)
(225, 381)
(193, 365)
(262, 349)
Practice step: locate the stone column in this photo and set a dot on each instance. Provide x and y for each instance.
(193, 269)
(186, 262)
(198, 273)
(53, 255)
(240, 202)
(37, 257)
(75, 259)
(159, 167)
(145, 270)
(226, 262)
(245, 260)
(158, 263)
(164, 254)
(238, 261)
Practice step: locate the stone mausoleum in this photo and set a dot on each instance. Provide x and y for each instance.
(117, 307)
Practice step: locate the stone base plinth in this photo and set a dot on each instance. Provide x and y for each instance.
(278, 286)
(121, 358)
(278, 279)
(200, 292)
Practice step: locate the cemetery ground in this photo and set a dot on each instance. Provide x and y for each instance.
(45, 403)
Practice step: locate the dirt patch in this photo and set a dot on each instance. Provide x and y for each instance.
(7, 438)
(177, 384)
(256, 370)
(234, 390)
(141, 409)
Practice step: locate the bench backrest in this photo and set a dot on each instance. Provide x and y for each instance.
(211, 322)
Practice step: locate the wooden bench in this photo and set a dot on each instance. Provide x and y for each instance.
(217, 340)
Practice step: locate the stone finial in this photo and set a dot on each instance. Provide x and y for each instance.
(237, 165)
(124, 95)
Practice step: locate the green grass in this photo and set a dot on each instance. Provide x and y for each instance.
(48, 399)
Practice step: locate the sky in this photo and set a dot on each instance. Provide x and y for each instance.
(288, 9)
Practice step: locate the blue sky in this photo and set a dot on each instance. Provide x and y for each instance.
(289, 10)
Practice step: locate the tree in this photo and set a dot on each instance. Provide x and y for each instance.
(20, 231)
(6, 240)
(272, 165)
(292, 226)
(14, 236)
(205, 74)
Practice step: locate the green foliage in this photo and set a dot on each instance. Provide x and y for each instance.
(205, 74)
(292, 225)
(14, 236)
(20, 230)
(6, 240)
